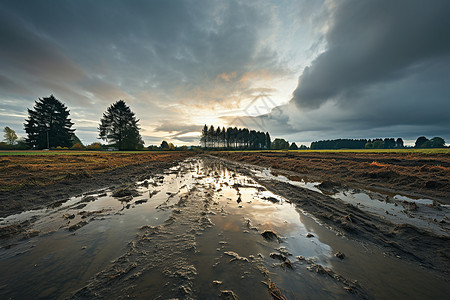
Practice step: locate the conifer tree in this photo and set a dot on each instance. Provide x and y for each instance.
(119, 127)
(237, 138)
(204, 137)
(48, 124)
(217, 135)
(229, 137)
(212, 136)
(223, 136)
(268, 141)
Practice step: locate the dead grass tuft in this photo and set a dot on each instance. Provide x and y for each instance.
(377, 164)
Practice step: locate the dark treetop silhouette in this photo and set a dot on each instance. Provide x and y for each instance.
(119, 127)
(48, 124)
(237, 138)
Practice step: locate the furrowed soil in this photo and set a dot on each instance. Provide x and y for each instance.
(227, 225)
(414, 174)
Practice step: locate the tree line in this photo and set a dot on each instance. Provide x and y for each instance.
(423, 142)
(242, 139)
(234, 138)
(48, 126)
(282, 144)
(387, 143)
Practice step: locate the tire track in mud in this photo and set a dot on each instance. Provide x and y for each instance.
(160, 262)
(163, 261)
(419, 246)
(403, 240)
(160, 252)
(216, 243)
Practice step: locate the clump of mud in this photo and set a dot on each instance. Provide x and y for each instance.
(77, 176)
(159, 252)
(77, 226)
(126, 193)
(270, 235)
(236, 256)
(274, 291)
(228, 295)
(329, 186)
(349, 286)
(19, 231)
(282, 256)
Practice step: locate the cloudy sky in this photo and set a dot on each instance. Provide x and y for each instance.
(302, 70)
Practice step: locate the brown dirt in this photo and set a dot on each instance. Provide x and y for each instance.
(35, 181)
(150, 249)
(405, 240)
(402, 240)
(411, 174)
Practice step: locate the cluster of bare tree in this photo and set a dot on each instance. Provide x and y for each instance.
(234, 138)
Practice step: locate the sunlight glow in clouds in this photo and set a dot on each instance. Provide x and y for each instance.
(330, 69)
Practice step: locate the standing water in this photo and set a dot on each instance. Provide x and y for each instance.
(201, 230)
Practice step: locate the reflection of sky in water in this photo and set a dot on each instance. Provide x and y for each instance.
(267, 174)
(396, 210)
(68, 259)
(418, 201)
(281, 217)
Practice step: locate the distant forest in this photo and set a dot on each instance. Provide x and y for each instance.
(48, 126)
(243, 138)
(387, 143)
(234, 138)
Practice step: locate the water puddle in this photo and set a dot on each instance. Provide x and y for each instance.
(398, 209)
(71, 243)
(304, 242)
(200, 230)
(417, 201)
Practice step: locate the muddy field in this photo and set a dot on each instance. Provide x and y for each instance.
(208, 227)
(35, 181)
(413, 174)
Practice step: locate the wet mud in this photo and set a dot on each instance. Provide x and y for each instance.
(417, 230)
(214, 229)
(417, 175)
(39, 181)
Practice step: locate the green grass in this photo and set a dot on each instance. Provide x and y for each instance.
(409, 150)
(69, 152)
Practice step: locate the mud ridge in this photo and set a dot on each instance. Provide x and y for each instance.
(413, 174)
(37, 197)
(404, 241)
(160, 251)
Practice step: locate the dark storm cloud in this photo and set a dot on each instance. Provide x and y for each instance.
(162, 44)
(384, 65)
(25, 51)
(8, 86)
(32, 63)
(373, 42)
(150, 53)
(384, 73)
(415, 105)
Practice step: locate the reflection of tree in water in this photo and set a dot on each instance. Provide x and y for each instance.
(214, 168)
